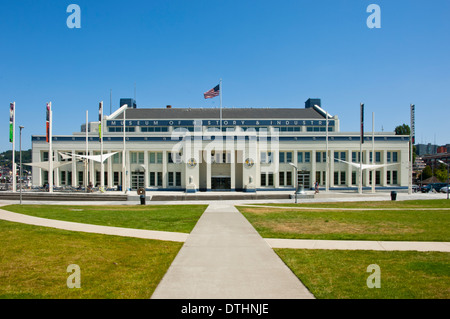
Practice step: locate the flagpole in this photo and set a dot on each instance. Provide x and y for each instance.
(360, 148)
(373, 151)
(13, 168)
(327, 186)
(124, 178)
(86, 160)
(220, 92)
(50, 151)
(102, 167)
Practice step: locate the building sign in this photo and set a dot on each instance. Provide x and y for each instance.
(217, 122)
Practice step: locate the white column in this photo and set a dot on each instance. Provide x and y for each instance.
(74, 170)
(208, 170)
(164, 169)
(110, 171)
(313, 168)
(146, 173)
(233, 169)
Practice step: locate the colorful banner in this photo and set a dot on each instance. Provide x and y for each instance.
(47, 123)
(11, 122)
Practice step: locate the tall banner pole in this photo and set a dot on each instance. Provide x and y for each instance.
(373, 151)
(220, 92)
(124, 169)
(86, 160)
(12, 139)
(411, 143)
(100, 128)
(327, 173)
(360, 148)
(50, 150)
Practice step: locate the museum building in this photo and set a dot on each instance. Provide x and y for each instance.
(208, 149)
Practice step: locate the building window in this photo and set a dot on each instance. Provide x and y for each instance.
(152, 179)
(44, 156)
(388, 177)
(318, 157)
(354, 178)
(174, 158)
(289, 178)
(342, 177)
(266, 157)
(263, 179)
(343, 156)
(116, 178)
(288, 157)
(300, 157)
(281, 178)
(388, 157)
(377, 157)
(336, 157)
(160, 179)
(178, 179)
(270, 179)
(307, 157)
(117, 158)
(336, 178)
(395, 157)
(137, 157)
(377, 177)
(394, 177)
(356, 157)
(155, 158)
(170, 179)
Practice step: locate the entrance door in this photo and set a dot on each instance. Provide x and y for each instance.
(220, 182)
(137, 180)
(303, 178)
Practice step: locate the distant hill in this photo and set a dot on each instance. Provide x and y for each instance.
(6, 157)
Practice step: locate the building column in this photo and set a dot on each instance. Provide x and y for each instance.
(350, 170)
(233, 169)
(331, 172)
(383, 169)
(110, 171)
(146, 173)
(276, 173)
(313, 168)
(74, 170)
(164, 169)
(208, 170)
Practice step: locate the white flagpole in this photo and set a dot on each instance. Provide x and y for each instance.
(360, 148)
(373, 151)
(220, 92)
(13, 168)
(102, 166)
(86, 161)
(50, 151)
(327, 186)
(124, 178)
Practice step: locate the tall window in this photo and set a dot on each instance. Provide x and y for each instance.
(170, 179)
(307, 157)
(137, 157)
(300, 157)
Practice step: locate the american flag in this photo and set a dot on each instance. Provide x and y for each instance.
(213, 92)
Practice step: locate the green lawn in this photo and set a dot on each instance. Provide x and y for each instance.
(339, 274)
(404, 225)
(174, 218)
(34, 261)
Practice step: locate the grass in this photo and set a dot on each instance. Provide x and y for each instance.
(34, 261)
(403, 225)
(174, 218)
(337, 274)
(425, 203)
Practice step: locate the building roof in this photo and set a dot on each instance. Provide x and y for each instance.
(227, 113)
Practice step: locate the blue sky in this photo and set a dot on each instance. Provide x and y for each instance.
(268, 53)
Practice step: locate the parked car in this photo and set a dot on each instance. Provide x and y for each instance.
(415, 188)
(433, 186)
(444, 189)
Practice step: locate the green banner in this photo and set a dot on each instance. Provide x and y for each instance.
(11, 134)
(99, 131)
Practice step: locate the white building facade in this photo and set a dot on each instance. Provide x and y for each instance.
(238, 149)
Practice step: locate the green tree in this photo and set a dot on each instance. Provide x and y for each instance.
(426, 173)
(402, 130)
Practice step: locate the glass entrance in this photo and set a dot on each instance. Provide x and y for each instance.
(303, 178)
(137, 180)
(220, 182)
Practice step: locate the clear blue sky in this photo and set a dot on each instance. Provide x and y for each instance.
(268, 53)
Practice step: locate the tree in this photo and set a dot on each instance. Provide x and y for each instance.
(426, 173)
(402, 130)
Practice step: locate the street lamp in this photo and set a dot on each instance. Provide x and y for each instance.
(296, 178)
(20, 171)
(448, 174)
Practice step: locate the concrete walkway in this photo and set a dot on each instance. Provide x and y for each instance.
(88, 228)
(224, 257)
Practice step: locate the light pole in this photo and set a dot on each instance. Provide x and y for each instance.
(20, 171)
(448, 174)
(296, 180)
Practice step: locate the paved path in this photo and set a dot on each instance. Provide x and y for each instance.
(358, 244)
(224, 257)
(88, 228)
